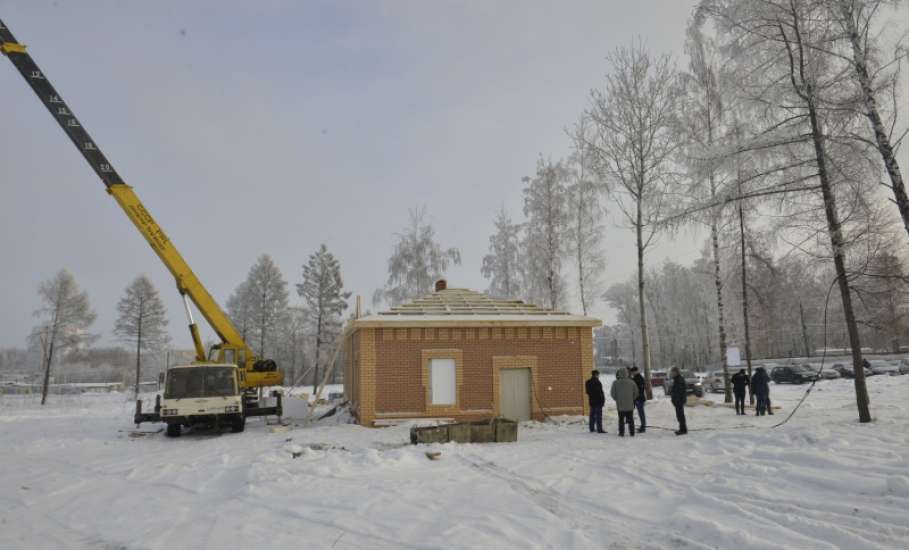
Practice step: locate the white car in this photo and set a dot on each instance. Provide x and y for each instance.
(883, 367)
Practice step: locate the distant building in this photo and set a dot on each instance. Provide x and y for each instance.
(461, 355)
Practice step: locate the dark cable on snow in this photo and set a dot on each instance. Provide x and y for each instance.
(817, 375)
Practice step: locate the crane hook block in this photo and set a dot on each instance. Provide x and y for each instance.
(12, 47)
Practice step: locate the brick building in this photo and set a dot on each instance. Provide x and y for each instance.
(459, 354)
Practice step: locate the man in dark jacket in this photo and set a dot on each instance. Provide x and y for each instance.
(679, 394)
(642, 397)
(597, 399)
(760, 385)
(740, 383)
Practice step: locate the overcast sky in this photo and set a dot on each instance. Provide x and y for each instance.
(274, 126)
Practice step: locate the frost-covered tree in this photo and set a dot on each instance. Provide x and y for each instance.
(266, 292)
(292, 336)
(585, 232)
(502, 266)
(239, 309)
(634, 142)
(546, 209)
(64, 317)
(883, 290)
(703, 123)
(875, 78)
(416, 263)
(779, 51)
(142, 320)
(323, 292)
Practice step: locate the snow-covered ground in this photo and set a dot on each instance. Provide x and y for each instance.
(72, 477)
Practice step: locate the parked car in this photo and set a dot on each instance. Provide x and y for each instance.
(792, 374)
(693, 385)
(846, 371)
(879, 366)
(657, 378)
(904, 366)
(828, 373)
(714, 382)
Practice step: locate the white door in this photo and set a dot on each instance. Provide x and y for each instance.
(514, 394)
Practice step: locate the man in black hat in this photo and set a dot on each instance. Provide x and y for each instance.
(597, 399)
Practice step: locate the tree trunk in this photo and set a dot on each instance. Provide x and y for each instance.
(262, 329)
(745, 293)
(48, 357)
(804, 330)
(315, 378)
(645, 345)
(885, 148)
(580, 249)
(138, 352)
(718, 282)
(293, 360)
(839, 262)
(50, 340)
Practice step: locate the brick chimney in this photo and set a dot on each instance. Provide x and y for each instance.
(441, 284)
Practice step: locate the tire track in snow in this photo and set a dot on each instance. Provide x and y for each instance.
(808, 520)
(545, 497)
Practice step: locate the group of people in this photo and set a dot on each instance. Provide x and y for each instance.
(760, 388)
(628, 393)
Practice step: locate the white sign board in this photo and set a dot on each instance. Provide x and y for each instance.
(733, 358)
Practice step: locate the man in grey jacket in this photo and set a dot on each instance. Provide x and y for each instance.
(624, 391)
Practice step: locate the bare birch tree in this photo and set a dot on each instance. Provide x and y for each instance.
(239, 309)
(873, 79)
(64, 317)
(703, 114)
(585, 215)
(142, 320)
(777, 47)
(634, 141)
(546, 209)
(292, 336)
(416, 263)
(502, 265)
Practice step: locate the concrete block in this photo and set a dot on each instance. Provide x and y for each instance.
(506, 430)
(429, 434)
(459, 433)
(482, 432)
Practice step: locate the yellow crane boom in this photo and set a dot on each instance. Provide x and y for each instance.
(233, 348)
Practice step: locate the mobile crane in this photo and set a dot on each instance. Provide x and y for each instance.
(223, 387)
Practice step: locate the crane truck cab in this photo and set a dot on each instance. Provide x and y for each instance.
(207, 394)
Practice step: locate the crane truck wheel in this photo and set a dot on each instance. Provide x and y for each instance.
(238, 424)
(173, 430)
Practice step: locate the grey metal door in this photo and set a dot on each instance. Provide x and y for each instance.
(514, 394)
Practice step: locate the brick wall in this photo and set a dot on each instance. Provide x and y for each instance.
(391, 378)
